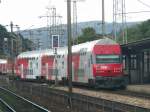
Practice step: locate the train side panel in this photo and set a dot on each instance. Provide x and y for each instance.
(22, 68)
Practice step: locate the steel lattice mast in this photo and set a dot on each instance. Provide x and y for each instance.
(119, 16)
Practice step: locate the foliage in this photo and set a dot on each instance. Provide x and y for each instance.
(27, 45)
(137, 32)
(88, 34)
(3, 34)
(6, 39)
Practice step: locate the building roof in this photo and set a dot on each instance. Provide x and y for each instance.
(136, 46)
(3, 61)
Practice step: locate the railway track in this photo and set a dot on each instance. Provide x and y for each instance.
(121, 96)
(103, 91)
(4, 107)
(82, 100)
(143, 96)
(111, 100)
(16, 103)
(115, 91)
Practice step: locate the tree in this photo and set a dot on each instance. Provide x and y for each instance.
(137, 32)
(88, 34)
(3, 34)
(10, 43)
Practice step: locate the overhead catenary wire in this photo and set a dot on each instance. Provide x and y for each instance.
(133, 12)
(145, 4)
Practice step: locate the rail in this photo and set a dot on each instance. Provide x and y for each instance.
(75, 101)
(8, 108)
(20, 97)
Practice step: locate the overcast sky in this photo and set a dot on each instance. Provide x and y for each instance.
(25, 12)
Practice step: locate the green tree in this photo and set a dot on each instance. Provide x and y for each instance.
(3, 34)
(27, 45)
(137, 32)
(12, 39)
(88, 34)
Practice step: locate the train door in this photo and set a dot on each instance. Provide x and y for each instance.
(89, 71)
(34, 68)
(30, 70)
(46, 71)
(62, 72)
(64, 67)
(82, 76)
(73, 74)
(59, 68)
(21, 71)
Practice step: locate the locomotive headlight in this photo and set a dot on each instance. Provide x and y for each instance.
(117, 69)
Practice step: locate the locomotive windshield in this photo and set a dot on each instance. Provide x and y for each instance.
(108, 59)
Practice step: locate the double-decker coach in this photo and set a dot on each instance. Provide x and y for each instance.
(98, 63)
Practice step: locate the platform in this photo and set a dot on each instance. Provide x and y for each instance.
(139, 88)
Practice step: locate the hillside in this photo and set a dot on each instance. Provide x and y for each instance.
(42, 34)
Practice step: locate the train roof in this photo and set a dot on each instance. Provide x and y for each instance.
(3, 61)
(76, 48)
(89, 45)
(38, 53)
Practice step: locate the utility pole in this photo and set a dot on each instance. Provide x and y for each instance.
(53, 27)
(114, 20)
(119, 15)
(103, 18)
(35, 41)
(75, 21)
(12, 45)
(69, 45)
(12, 26)
(19, 41)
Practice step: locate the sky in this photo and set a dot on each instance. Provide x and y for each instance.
(25, 13)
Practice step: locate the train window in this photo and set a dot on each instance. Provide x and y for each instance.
(108, 59)
(37, 65)
(31, 64)
(63, 64)
(124, 62)
(89, 62)
(58, 56)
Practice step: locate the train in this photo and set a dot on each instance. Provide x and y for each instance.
(96, 63)
(5, 66)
